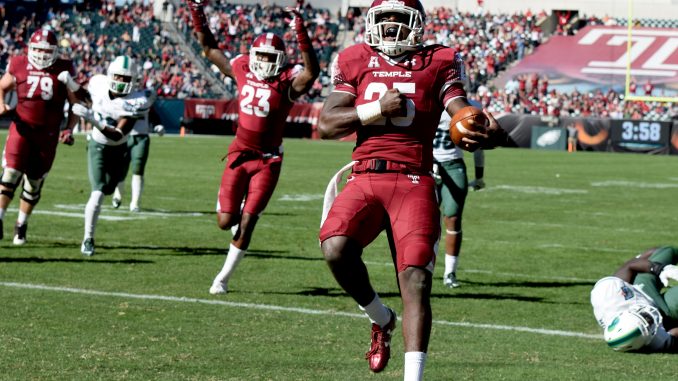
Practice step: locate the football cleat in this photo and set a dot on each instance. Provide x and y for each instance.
(134, 209)
(218, 288)
(20, 234)
(477, 184)
(87, 247)
(116, 202)
(450, 280)
(380, 348)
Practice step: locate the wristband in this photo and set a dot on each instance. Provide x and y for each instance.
(302, 37)
(656, 268)
(369, 113)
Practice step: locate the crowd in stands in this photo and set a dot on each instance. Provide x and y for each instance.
(91, 38)
(531, 94)
(235, 26)
(489, 43)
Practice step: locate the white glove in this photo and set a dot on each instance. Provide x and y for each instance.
(83, 111)
(88, 115)
(65, 78)
(669, 272)
(159, 129)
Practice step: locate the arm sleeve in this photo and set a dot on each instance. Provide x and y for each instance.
(454, 76)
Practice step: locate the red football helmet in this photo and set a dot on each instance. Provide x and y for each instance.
(267, 55)
(395, 36)
(43, 48)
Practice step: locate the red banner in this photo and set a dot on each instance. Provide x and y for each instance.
(599, 55)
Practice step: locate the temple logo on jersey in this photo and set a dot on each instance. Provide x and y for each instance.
(626, 292)
(374, 62)
(392, 74)
(414, 178)
(205, 111)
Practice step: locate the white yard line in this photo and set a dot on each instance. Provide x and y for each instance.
(268, 307)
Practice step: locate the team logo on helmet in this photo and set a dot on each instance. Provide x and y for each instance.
(395, 27)
(122, 74)
(267, 55)
(633, 328)
(43, 48)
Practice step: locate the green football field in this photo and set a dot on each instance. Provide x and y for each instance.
(546, 228)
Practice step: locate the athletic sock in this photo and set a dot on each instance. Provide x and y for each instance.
(22, 218)
(414, 366)
(137, 188)
(2, 213)
(377, 311)
(92, 210)
(451, 262)
(232, 259)
(118, 190)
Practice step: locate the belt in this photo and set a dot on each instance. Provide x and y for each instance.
(383, 166)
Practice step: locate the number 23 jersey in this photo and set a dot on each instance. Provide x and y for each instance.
(263, 106)
(430, 78)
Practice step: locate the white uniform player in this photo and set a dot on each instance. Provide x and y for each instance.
(636, 307)
(116, 109)
(612, 296)
(452, 187)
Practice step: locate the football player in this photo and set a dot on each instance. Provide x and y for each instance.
(449, 172)
(391, 91)
(138, 147)
(116, 108)
(635, 308)
(43, 83)
(267, 88)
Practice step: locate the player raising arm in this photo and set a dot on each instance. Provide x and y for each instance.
(43, 82)
(267, 88)
(391, 91)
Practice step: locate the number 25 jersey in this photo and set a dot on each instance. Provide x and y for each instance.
(430, 78)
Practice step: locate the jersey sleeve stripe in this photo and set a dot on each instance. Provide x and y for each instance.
(345, 92)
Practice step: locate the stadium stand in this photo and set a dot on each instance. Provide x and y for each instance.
(95, 31)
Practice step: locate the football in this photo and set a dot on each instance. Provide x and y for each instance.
(465, 120)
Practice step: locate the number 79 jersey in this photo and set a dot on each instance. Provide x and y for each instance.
(263, 106)
(430, 78)
(41, 95)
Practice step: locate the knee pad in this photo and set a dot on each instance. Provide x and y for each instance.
(10, 179)
(32, 190)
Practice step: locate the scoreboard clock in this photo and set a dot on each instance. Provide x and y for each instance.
(640, 136)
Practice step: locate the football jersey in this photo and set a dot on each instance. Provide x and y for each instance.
(41, 97)
(430, 78)
(109, 111)
(611, 296)
(443, 147)
(263, 106)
